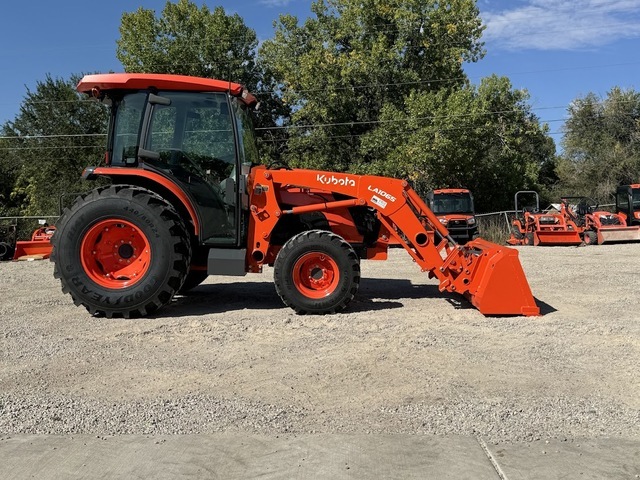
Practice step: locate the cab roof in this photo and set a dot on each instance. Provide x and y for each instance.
(450, 190)
(90, 84)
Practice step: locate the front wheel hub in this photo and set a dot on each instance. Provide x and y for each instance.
(316, 275)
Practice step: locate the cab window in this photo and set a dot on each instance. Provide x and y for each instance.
(126, 128)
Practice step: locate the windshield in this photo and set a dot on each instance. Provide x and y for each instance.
(247, 141)
(446, 203)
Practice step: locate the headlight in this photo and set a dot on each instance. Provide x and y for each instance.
(443, 221)
(471, 221)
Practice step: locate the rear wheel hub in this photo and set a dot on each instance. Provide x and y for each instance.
(115, 253)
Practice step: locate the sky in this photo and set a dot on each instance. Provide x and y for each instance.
(558, 50)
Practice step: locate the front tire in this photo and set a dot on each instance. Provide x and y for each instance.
(517, 234)
(317, 272)
(121, 251)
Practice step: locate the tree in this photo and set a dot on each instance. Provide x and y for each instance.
(484, 138)
(56, 134)
(340, 70)
(601, 144)
(188, 40)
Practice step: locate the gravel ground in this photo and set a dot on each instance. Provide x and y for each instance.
(402, 359)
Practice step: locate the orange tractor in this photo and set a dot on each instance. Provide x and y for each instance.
(532, 227)
(597, 226)
(454, 209)
(188, 199)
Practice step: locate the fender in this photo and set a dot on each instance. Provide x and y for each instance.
(90, 173)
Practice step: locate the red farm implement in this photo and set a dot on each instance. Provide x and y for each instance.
(532, 227)
(597, 226)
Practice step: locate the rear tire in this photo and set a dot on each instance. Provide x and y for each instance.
(528, 239)
(6, 251)
(317, 272)
(515, 231)
(590, 237)
(121, 251)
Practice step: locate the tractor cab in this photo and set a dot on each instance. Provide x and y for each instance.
(194, 136)
(628, 203)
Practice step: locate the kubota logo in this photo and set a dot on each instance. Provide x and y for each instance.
(333, 180)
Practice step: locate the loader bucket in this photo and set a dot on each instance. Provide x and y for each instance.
(498, 285)
(618, 234)
(557, 237)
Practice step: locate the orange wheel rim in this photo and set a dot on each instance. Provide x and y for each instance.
(316, 275)
(115, 254)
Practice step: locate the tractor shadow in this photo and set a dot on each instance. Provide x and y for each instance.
(545, 308)
(373, 295)
(382, 294)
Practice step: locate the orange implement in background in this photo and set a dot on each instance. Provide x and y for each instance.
(628, 203)
(598, 226)
(532, 227)
(39, 247)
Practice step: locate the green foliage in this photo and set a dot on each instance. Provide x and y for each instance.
(56, 134)
(339, 70)
(188, 40)
(601, 144)
(368, 86)
(483, 138)
(378, 87)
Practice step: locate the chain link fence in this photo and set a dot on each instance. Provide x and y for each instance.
(495, 226)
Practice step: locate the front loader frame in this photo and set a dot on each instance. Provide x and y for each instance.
(481, 271)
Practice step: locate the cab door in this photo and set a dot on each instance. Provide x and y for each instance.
(191, 138)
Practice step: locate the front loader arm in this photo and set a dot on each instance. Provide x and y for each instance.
(487, 274)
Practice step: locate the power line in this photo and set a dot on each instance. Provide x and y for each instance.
(307, 126)
(377, 122)
(284, 140)
(426, 81)
(102, 147)
(318, 125)
(345, 123)
(38, 137)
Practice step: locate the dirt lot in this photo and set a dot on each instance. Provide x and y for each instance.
(402, 359)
